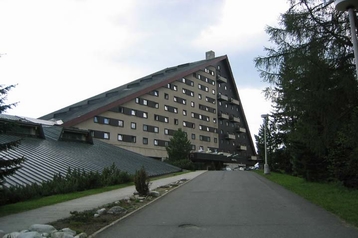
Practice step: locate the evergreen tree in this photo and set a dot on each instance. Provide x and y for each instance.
(179, 146)
(310, 68)
(178, 150)
(8, 166)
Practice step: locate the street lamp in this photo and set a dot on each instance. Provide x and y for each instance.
(350, 5)
(266, 166)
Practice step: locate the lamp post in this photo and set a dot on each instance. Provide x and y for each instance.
(350, 5)
(266, 166)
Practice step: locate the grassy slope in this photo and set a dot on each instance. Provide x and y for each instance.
(332, 197)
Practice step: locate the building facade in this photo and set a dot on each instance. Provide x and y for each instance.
(201, 98)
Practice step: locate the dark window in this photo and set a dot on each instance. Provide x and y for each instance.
(101, 135)
(162, 143)
(126, 138)
(161, 118)
(152, 129)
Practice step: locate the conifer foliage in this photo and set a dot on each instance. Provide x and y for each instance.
(313, 89)
(8, 166)
(178, 150)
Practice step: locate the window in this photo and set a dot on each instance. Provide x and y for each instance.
(106, 121)
(176, 121)
(192, 104)
(120, 123)
(184, 112)
(126, 138)
(106, 135)
(193, 136)
(213, 91)
(166, 132)
(145, 115)
(199, 96)
(145, 128)
(215, 140)
(156, 129)
(95, 119)
(145, 141)
(155, 142)
(214, 120)
(133, 125)
(166, 96)
(145, 102)
(136, 100)
(133, 112)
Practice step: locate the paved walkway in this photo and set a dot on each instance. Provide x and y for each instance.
(43, 215)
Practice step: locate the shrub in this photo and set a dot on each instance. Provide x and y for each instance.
(75, 180)
(141, 181)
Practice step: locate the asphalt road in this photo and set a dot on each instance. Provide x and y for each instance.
(231, 204)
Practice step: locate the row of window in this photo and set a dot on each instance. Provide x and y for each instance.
(130, 112)
(204, 79)
(133, 139)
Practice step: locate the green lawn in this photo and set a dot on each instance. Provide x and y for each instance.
(332, 197)
(50, 200)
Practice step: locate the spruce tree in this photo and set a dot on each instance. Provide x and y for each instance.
(8, 166)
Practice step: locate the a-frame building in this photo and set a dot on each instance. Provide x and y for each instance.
(200, 97)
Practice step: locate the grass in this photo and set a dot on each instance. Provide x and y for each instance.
(51, 200)
(333, 197)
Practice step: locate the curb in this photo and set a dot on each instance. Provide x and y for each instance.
(140, 208)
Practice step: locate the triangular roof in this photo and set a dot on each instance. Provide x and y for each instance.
(48, 155)
(103, 102)
(93, 106)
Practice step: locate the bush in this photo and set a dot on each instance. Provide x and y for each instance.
(141, 181)
(75, 180)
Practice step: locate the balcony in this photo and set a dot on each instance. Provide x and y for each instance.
(234, 119)
(240, 129)
(230, 136)
(234, 101)
(221, 79)
(241, 147)
(223, 97)
(223, 116)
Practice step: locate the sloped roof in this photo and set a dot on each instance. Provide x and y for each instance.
(48, 156)
(93, 106)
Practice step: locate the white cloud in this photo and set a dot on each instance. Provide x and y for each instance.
(241, 26)
(61, 52)
(255, 105)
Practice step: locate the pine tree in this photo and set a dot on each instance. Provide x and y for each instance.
(311, 72)
(8, 166)
(178, 150)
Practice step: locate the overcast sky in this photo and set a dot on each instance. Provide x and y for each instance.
(61, 52)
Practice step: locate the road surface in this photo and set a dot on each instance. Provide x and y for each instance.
(230, 204)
